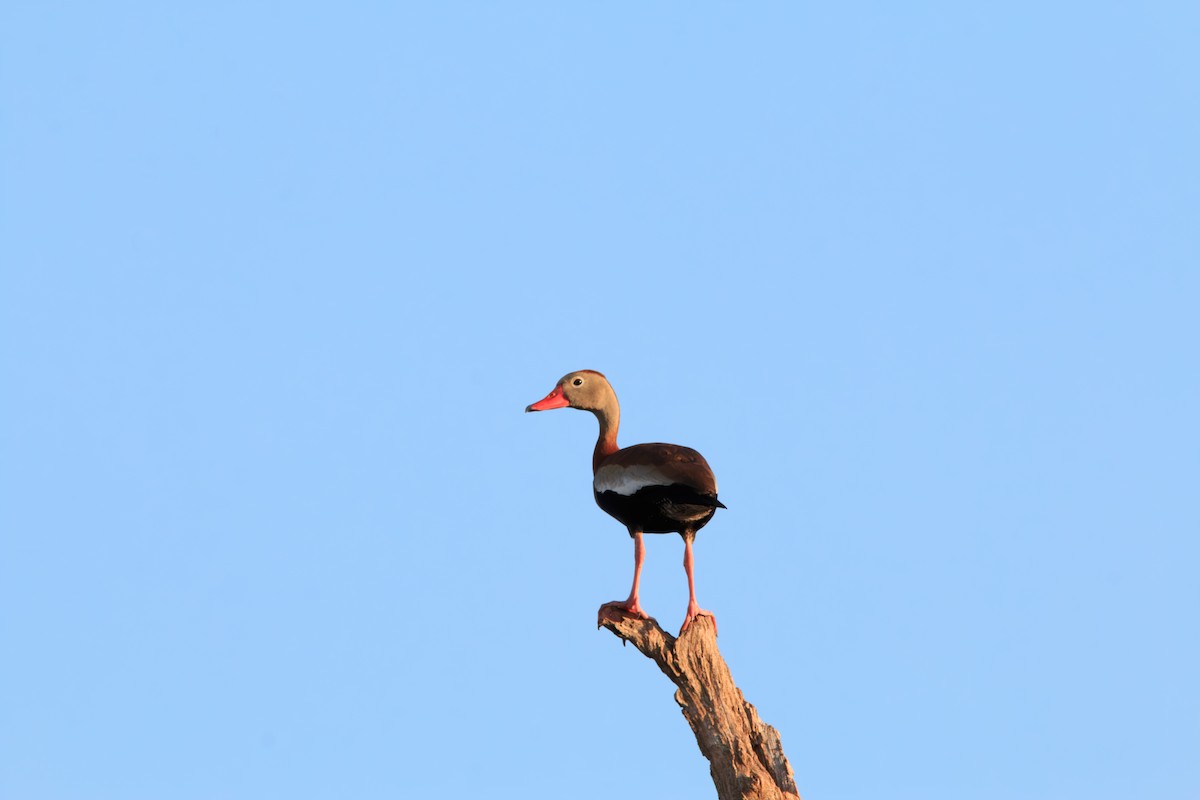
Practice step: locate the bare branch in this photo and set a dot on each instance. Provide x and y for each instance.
(745, 755)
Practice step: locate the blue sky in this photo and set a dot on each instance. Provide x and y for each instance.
(276, 282)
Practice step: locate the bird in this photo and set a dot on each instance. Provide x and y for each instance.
(649, 488)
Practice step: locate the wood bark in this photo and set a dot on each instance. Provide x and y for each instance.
(745, 754)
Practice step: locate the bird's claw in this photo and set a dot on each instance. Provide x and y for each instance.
(625, 608)
(698, 612)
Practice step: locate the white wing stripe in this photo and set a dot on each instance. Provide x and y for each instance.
(628, 480)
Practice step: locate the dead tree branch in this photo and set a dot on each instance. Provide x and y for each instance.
(745, 755)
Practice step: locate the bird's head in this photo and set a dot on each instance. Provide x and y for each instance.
(586, 389)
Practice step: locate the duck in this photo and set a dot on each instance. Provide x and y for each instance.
(648, 488)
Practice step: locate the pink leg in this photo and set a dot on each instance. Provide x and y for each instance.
(631, 605)
(694, 610)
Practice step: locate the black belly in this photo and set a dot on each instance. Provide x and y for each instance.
(660, 509)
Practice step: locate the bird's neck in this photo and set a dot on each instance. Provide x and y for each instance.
(606, 443)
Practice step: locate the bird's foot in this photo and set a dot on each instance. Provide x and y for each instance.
(696, 611)
(628, 608)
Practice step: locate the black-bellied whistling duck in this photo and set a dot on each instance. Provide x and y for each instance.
(649, 488)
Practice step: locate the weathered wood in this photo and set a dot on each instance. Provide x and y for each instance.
(745, 754)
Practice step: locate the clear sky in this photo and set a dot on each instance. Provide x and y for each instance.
(922, 281)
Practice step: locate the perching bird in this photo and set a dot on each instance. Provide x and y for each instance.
(649, 488)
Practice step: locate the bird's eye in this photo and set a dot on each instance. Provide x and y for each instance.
(578, 381)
